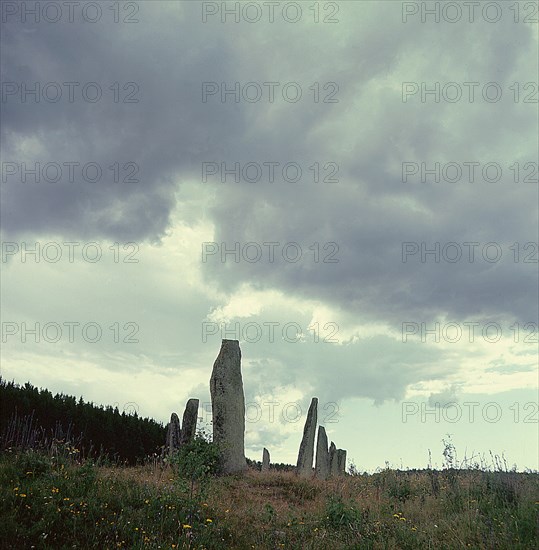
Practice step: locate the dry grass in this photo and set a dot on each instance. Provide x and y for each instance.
(63, 504)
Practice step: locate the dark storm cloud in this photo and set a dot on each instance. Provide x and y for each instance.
(369, 133)
(163, 133)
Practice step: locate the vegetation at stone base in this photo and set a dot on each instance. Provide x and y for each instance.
(55, 500)
(32, 418)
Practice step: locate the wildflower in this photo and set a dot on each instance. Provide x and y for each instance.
(209, 520)
(66, 498)
(15, 488)
(22, 495)
(186, 526)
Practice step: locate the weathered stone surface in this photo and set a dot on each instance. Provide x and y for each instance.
(333, 471)
(189, 422)
(173, 434)
(228, 406)
(265, 460)
(341, 462)
(322, 454)
(306, 448)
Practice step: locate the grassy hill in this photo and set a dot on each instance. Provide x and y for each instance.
(56, 494)
(56, 501)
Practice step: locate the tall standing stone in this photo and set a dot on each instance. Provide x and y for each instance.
(306, 449)
(333, 470)
(341, 462)
(228, 407)
(189, 422)
(265, 460)
(173, 434)
(322, 454)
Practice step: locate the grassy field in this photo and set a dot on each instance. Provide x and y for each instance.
(55, 501)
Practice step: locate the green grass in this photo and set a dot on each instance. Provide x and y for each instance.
(57, 502)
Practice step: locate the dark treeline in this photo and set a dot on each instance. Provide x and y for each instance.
(97, 430)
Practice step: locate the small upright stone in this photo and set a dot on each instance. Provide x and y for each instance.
(306, 448)
(265, 460)
(341, 462)
(189, 422)
(322, 454)
(333, 470)
(228, 407)
(173, 434)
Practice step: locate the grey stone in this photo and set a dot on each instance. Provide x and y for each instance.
(306, 448)
(173, 434)
(341, 462)
(228, 407)
(322, 454)
(189, 422)
(333, 470)
(265, 460)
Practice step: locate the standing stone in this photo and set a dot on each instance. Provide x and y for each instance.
(333, 470)
(173, 434)
(228, 407)
(322, 454)
(265, 460)
(306, 449)
(189, 422)
(341, 462)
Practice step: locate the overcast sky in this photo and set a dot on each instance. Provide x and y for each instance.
(348, 188)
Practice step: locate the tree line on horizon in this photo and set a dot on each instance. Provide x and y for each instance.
(29, 416)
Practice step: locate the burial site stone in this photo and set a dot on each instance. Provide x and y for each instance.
(189, 422)
(306, 448)
(322, 454)
(228, 407)
(265, 460)
(173, 434)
